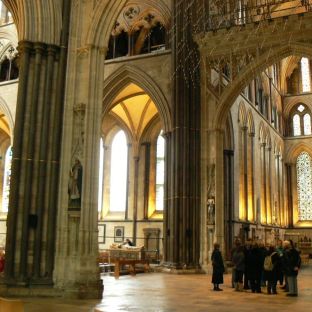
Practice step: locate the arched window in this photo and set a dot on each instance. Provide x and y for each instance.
(118, 174)
(101, 174)
(307, 124)
(160, 173)
(304, 187)
(296, 124)
(6, 181)
(305, 75)
(301, 121)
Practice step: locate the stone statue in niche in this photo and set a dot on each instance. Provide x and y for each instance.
(75, 185)
(211, 211)
(211, 194)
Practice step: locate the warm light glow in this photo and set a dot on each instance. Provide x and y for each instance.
(160, 173)
(118, 174)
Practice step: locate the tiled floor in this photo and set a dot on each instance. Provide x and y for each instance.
(153, 292)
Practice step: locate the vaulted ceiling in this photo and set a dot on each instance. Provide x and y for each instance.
(134, 108)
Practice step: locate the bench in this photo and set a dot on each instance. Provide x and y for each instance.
(131, 263)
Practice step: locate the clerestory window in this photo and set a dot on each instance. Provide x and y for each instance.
(301, 121)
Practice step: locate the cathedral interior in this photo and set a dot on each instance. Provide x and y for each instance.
(174, 124)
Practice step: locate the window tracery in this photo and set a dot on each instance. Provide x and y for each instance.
(139, 29)
(301, 121)
(8, 61)
(304, 187)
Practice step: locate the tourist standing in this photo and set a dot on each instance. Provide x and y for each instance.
(291, 263)
(217, 267)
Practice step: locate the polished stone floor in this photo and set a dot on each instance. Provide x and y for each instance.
(160, 292)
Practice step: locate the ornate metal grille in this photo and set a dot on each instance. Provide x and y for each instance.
(227, 13)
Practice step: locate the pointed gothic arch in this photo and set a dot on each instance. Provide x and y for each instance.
(130, 74)
(4, 108)
(250, 122)
(242, 115)
(262, 132)
(295, 101)
(255, 67)
(106, 13)
(37, 21)
(10, 35)
(294, 152)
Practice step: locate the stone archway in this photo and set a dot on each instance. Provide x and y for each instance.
(130, 74)
(258, 65)
(248, 50)
(48, 15)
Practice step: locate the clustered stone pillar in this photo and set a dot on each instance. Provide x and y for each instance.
(31, 224)
(182, 210)
(32, 208)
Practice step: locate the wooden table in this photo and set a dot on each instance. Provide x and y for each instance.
(132, 263)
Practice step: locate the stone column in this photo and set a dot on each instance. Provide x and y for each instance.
(289, 182)
(183, 206)
(36, 147)
(269, 185)
(263, 202)
(14, 200)
(219, 184)
(135, 198)
(77, 273)
(229, 198)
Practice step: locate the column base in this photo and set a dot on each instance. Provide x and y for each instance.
(78, 291)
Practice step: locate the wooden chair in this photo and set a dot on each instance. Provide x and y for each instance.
(11, 305)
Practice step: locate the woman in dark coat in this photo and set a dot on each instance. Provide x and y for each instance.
(218, 268)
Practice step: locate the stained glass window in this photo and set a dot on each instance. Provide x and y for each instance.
(160, 172)
(305, 75)
(6, 181)
(118, 174)
(296, 125)
(304, 186)
(307, 124)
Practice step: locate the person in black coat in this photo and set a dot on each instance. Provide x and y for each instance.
(271, 275)
(217, 267)
(291, 263)
(254, 265)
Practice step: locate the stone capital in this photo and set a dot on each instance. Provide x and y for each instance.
(25, 46)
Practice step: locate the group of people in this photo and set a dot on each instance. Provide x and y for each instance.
(255, 266)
